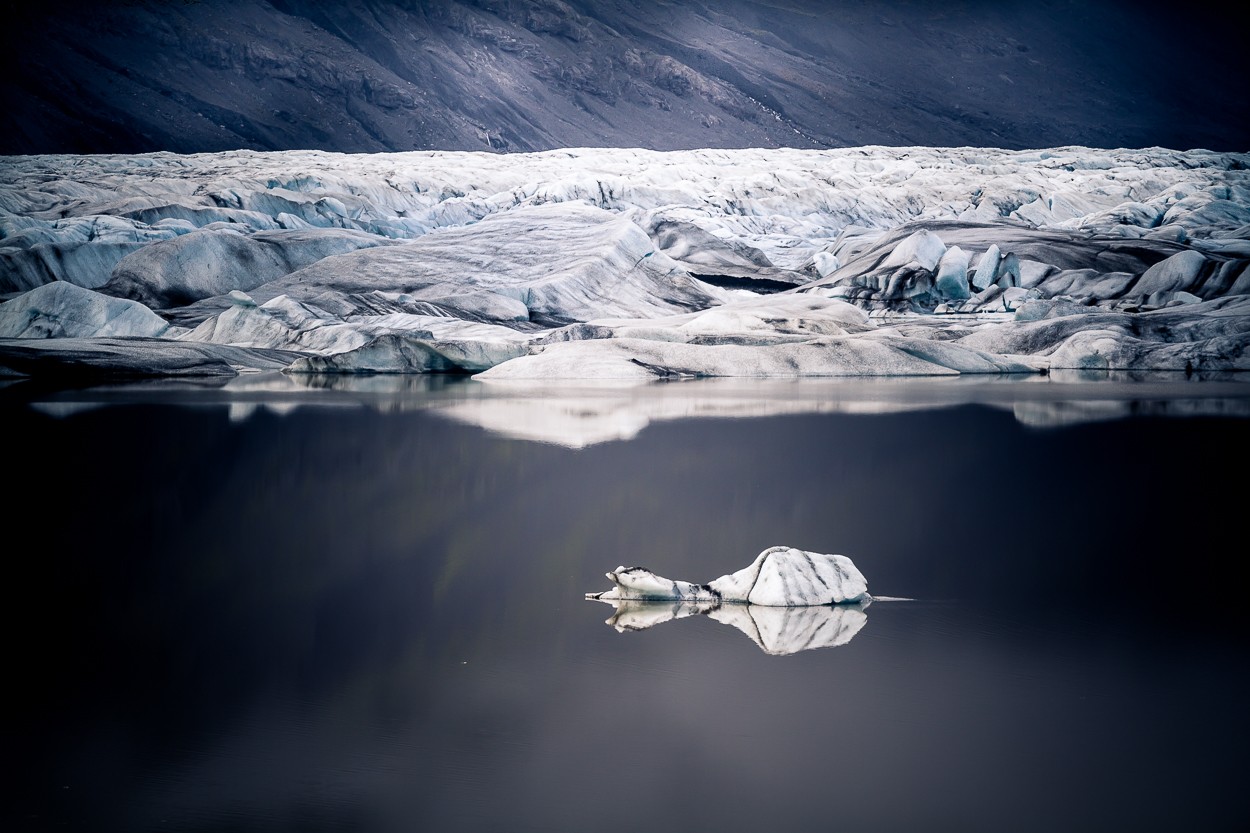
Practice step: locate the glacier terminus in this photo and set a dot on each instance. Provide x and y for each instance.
(626, 264)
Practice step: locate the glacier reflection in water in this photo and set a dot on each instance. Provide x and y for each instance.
(580, 414)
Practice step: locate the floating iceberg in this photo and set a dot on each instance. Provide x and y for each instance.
(778, 577)
(786, 600)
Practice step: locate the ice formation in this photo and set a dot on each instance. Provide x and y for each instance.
(629, 264)
(63, 310)
(786, 600)
(778, 577)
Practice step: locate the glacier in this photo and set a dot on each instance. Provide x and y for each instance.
(627, 265)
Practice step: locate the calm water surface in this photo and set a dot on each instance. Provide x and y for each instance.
(352, 611)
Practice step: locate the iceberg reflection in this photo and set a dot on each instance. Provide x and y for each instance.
(776, 630)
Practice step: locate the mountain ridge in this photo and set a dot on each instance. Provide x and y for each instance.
(527, 75)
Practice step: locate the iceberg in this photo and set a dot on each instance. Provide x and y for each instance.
(787, 600)
(778, 577)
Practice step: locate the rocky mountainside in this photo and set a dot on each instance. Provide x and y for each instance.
(524, 75)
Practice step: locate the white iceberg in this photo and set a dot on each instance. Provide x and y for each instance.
(778, 577)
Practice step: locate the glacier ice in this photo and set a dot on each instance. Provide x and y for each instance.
(546, 264)
(88, 264)
(778, 577)
(951, 280)
(111, 357)
(636, 265)
(64, 310)
(205, 264)
(404, 353)
(786, 600)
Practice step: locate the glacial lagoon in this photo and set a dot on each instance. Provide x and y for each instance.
(358, 604)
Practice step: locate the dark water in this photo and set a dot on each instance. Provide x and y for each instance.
(361, 618)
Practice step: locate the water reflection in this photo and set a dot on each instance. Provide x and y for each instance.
(583, 414)
(779, 631)
(368, 617)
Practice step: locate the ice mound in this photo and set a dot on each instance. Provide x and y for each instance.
(205, 264)
(544, 265)
(63, 310)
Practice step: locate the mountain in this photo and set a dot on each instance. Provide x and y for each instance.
(526, 75)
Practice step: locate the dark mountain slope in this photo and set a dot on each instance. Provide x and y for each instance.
(537, 74)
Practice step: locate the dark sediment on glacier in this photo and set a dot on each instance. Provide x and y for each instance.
(587, 264)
